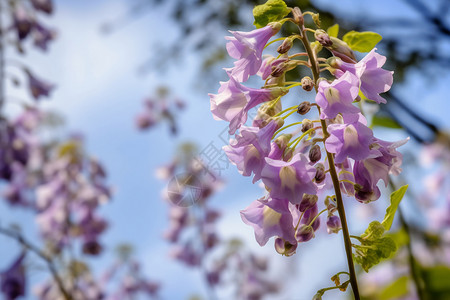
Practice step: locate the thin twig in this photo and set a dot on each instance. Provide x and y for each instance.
(51, 266)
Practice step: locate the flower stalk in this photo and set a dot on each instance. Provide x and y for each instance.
(334, 177)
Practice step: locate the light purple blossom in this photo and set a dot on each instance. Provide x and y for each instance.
(374, 79)
(251, 147)
(338, 96)
(38, 87)
(42, 36)
(351, 140)
(43, 5)
(247, 48)
(369, 171)
(234, 100)
(22, 21)
(289, 180)
(269, 218)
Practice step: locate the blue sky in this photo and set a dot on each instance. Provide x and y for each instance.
(99, 93)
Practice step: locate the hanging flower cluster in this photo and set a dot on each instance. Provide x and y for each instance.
(299, 162)
(159, 109)
(25, 23)
(55, 180)
(69, 196)
(193, 232)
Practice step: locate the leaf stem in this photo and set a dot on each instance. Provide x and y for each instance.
(333, 173)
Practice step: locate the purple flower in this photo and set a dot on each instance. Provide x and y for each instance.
(250, 148)
(304, 233)
(22, 22)
(247, 48)
(369, 171)
(145, 120)
(268, 64)
(351, 140)
(311, 215)
(284, 247)
(289, 180)
(13, 279)
(38, 87)
(234, 100)
(42, 36)
(337, 97)
(43, 5)
(270, 218)
(333, 224)
(374, 79)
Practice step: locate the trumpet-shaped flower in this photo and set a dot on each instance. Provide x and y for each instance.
(247, 48)
(337, 97)
(234, 100)
(250, 148)
(351, 140)
(289, 180)
(374, 79)
(269, 218)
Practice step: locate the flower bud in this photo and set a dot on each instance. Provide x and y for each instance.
(317, 296)
(304, 108)
(283, 68)
(307, 125)
(320, 173)
(366, 195)
(304, 233)
(331, 205)
(265, 112)
(285, 46)
(284, 247)
(323, 38)
(333, 224)
(297, 16)
(307, 83)
(307, 202)
(315, 154)
(341, 49)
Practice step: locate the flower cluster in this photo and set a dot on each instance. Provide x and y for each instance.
(71, 191)
(193, 232)
(25, 23)
(288, 160)
(159, 109)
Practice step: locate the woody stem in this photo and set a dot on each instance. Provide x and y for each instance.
(333, 173)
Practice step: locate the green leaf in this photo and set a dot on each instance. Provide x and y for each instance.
(362, 41)
(333, 30)
(373, 232)
(396, 197)
(400, 237)
(374, 246)
(271, 11)
(384, 121)
(395, 290)
(437, 279)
